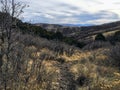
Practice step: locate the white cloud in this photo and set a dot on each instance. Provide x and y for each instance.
(64, 11)
(99, 21)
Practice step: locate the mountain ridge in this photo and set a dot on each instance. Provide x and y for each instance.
(77, 31)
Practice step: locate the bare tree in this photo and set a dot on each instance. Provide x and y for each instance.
(10, 10)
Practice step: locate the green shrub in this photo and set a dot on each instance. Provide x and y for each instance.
(69, 40)
(80, 44)
(58, 36)
(100, 37)
(117, 36)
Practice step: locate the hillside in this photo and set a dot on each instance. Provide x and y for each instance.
(53, 65)
(35, 58)
(83, 31)
(93, 30)
(64, 29)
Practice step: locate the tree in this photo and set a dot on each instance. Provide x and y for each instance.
(58, 35)
(100, 37)
(10, 11)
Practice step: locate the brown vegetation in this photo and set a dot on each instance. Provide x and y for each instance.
(29, 62)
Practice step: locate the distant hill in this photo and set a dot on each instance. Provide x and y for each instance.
(48, 26)
(93, 30)
(78, 31)
(64, 29)
(76, 25)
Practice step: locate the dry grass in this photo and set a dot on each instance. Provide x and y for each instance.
(106, 34)
(91, 64)
(55, 75)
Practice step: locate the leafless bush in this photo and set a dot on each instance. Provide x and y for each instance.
(47, 56)
(115, 54)
(96, 45)
(40, 43)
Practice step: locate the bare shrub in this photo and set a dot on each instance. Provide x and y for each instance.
(96, 45)
(55, 46)
(115, 55)
(61, 60)
(47, 56)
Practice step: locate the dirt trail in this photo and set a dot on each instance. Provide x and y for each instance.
(66, 78)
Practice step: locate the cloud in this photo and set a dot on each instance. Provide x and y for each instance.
(72, 11)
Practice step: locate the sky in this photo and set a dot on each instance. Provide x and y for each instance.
(72, 11)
